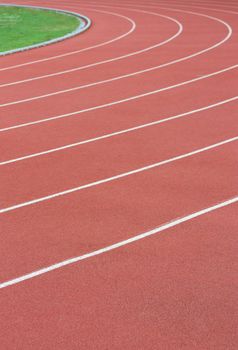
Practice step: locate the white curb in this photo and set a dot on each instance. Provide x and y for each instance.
(84, 25)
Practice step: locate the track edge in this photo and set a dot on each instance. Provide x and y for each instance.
(84, 25)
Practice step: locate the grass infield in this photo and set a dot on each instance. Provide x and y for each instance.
(20, 27)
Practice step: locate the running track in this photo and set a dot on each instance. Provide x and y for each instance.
(119, 181)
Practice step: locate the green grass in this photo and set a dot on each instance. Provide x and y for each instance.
(21, 27)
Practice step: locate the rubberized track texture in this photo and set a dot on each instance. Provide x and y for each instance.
(118, 173)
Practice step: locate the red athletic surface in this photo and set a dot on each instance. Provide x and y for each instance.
(174, 290)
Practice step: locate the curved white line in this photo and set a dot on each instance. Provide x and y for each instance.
(117, 177)
(120, 244)
(119, 101)
(158, 4)
(132, 28)
(108, 60)
(200, 5)
(180, 29)
(120, 132)
(227, 37)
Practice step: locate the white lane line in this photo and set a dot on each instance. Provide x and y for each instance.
(119, 77)
(226, 10)
(125, 56)
(119, 101)
(132, 28)
(230, 3)
(103, 81)
(120, 244)
(159, 4)
(116, 58)
(120, 132)
(116, 177)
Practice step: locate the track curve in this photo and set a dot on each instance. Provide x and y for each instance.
(118, 172)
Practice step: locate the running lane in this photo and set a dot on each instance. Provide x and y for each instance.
(91, 218)
(137, 84)
(157, 169)
(130, 43)
(58, 171)
(98, 35)
(175, 290)
(166, 75)
(104, 120)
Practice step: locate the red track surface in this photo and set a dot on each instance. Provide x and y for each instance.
(163, 83)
